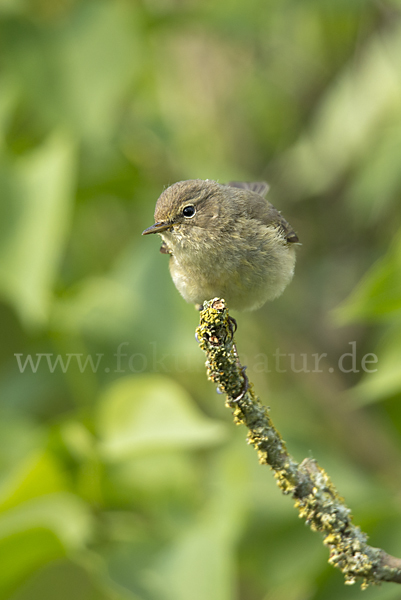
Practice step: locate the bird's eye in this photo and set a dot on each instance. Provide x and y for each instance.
(188, 211)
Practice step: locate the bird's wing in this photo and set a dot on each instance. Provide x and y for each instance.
(262, 210)
(271, 216)
(289, 233)
(259, 187)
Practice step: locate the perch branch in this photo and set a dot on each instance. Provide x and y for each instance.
(315, 496)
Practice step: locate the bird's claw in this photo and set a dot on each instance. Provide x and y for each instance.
(232, 324)
(245, 386)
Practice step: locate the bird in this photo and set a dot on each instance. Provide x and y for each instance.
(225, 241)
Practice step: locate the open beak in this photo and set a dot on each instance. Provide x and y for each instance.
(157, 228)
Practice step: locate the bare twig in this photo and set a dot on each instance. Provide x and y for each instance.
(315, 496)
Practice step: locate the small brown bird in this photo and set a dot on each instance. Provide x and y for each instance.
(226, 241)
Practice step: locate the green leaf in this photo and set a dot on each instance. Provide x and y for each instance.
(201, 564)
(11, 6)
(151, 412)
(199, 561)
(39, 531)
(99, 306)
(7, 101)
(65, 580)
(373, 190)
(378, 295)
(22, 553)
(19, 438)
(386, 380)
(78, 73)
(36, 475)
(34, 221)
(98, 57)
(350, 113)
(64, 514)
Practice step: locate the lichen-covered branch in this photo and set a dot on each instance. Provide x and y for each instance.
(315, 496)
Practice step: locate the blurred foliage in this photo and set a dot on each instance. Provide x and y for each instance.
(122, 476)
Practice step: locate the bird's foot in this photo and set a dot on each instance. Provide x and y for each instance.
(245, 386)
(232, 324)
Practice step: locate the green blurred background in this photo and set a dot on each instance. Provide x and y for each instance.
(122, 476)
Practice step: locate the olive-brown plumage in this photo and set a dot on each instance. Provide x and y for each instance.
(226, 241)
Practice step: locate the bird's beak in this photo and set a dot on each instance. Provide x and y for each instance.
(157, 228)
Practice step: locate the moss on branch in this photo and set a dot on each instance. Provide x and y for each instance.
(315, 496)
